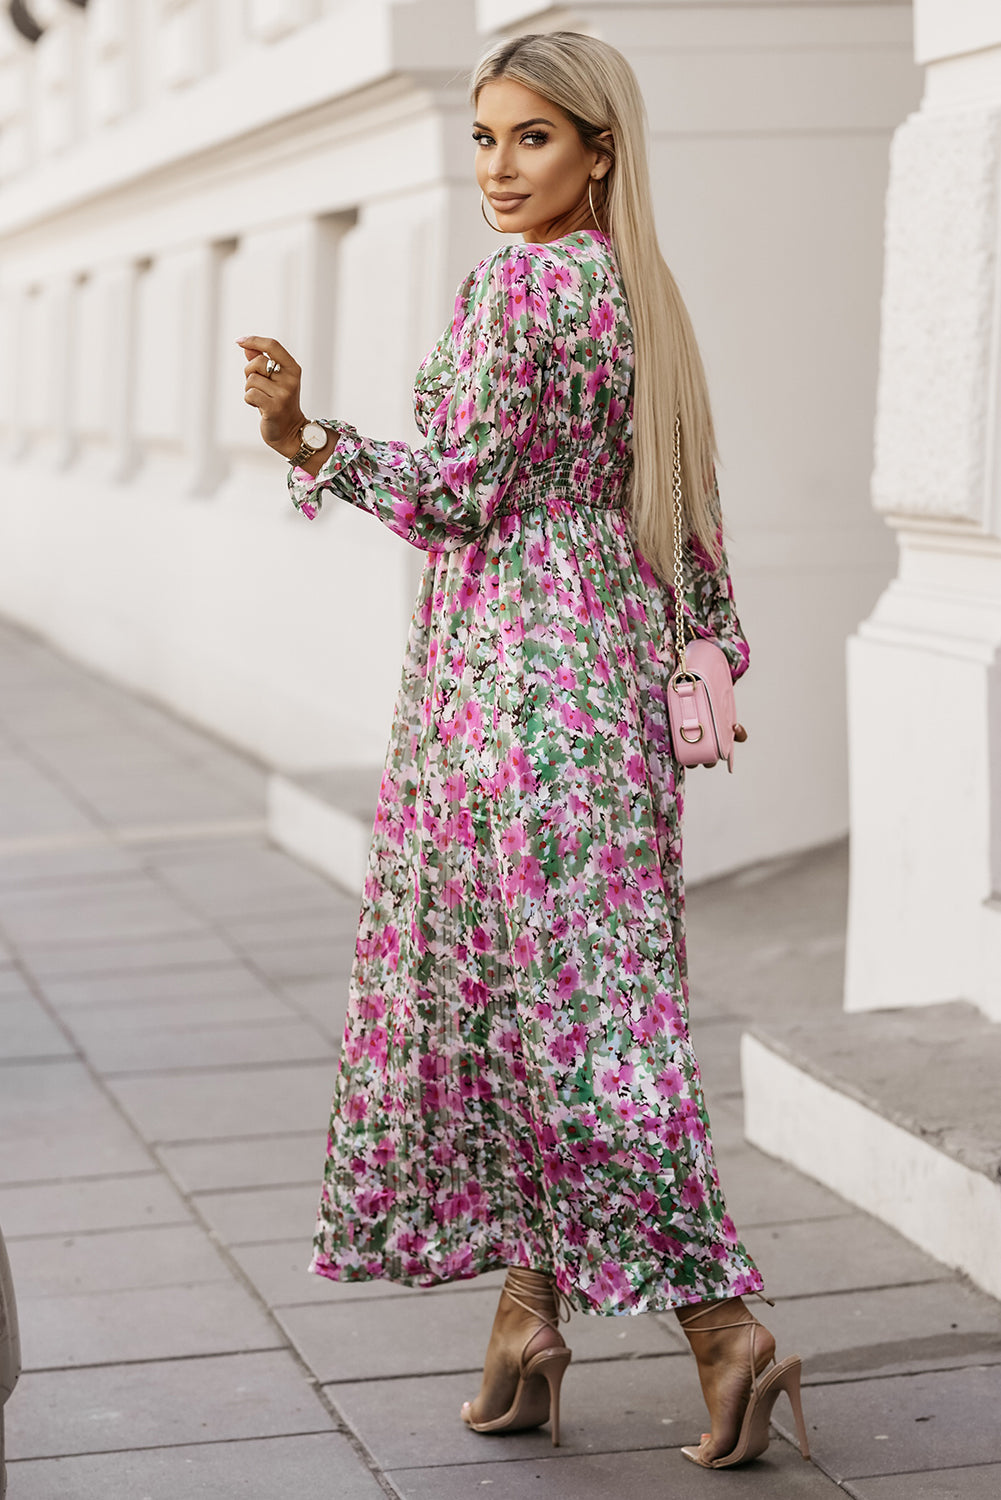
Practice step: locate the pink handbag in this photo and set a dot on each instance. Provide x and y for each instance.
(700, 702)
(701, 706)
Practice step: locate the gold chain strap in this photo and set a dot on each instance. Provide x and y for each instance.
(679, 576)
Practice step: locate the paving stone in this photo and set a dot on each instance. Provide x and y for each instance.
(978, 1482)
(303, 923)
(442, 1328)
(909, 1423)
(894, 1331)
(726, 1117)
(209, 840)
(179, 952)
(206, 1105)
(168, 794)
(27, 1031)
(98, 1026)
(323, 1466)
(278, 1272)
(162, 987)
(324, 1000)
(122, 751)
(111, 1328)
(650, 1474)
(717, 1047)
(312, 960)
(607, 1407)
(155, 1405)
(115, 1260)
(96, 859)
(235, 774)
(242, 883)
(252, 1216)
(56, 1123)
(95, 915)
(33, 806)
(834, 1255)
(83, 1205)
(782, 959)
(13, 985)
(760, 1190)
(205, 1046)
(263, 1162)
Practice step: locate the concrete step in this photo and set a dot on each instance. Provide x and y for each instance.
(899, 1112)
(325, 819)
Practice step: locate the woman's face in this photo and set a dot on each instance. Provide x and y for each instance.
(531, 163)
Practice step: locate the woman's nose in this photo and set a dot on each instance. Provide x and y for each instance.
(500, 166)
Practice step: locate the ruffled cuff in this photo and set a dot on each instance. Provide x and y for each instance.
(307, 491)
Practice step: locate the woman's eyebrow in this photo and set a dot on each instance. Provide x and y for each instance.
(523, 126)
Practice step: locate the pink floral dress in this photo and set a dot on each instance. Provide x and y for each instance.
(517, 1085)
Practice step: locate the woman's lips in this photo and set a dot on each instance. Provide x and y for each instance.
(507, 200)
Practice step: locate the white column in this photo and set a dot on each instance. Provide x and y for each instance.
(14, 65)
(925, 667)
(110, 42)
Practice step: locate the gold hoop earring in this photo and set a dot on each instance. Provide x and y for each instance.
(495, 227)
(590, 200)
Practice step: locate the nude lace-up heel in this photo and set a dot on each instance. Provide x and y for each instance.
(754, 1434)
(535, 1370)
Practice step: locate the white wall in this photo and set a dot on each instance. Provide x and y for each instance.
(925, 666)
(175, 175)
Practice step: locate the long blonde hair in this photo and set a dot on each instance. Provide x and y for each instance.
(593, 84)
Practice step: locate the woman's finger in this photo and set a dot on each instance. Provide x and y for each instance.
(267, 387)
(259, 345)
(257, 366)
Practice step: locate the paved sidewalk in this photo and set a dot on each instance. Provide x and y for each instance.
(171, 998)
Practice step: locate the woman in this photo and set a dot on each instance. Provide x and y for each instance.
(517, 1086)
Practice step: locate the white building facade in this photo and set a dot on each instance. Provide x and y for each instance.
(925, 667)
(177, 173)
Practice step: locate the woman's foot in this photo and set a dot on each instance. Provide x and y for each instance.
(723, 1347)
(525, 1362)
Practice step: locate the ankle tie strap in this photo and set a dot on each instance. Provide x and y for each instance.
(707, 1307)
(534, 1284)
(750, 1322)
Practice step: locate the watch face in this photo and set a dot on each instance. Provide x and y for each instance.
(314, 435)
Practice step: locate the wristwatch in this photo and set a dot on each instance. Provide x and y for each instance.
(312, 437)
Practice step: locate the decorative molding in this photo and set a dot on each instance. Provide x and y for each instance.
(270, 19)
(938, 317)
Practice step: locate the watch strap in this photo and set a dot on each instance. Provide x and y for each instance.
(306, 450)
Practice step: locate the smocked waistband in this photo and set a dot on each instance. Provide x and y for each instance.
(581, 482)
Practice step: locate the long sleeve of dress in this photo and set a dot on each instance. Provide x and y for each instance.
(444, 494)
(709, 603)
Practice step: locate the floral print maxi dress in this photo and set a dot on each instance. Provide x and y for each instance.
(517, 1085)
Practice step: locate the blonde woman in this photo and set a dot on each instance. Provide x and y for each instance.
(517, 1086)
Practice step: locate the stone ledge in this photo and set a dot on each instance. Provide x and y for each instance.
(897, 1111)
(325, 819)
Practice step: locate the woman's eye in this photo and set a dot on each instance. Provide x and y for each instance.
(482, 139)
(535, 138)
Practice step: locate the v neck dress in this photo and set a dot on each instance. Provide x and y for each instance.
(516, 1084)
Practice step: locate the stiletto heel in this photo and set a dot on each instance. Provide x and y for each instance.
(554, 1369)
(536, 1397)
(796, 1402)
(766, 1385)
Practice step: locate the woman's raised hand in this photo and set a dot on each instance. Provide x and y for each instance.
(276, 396)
